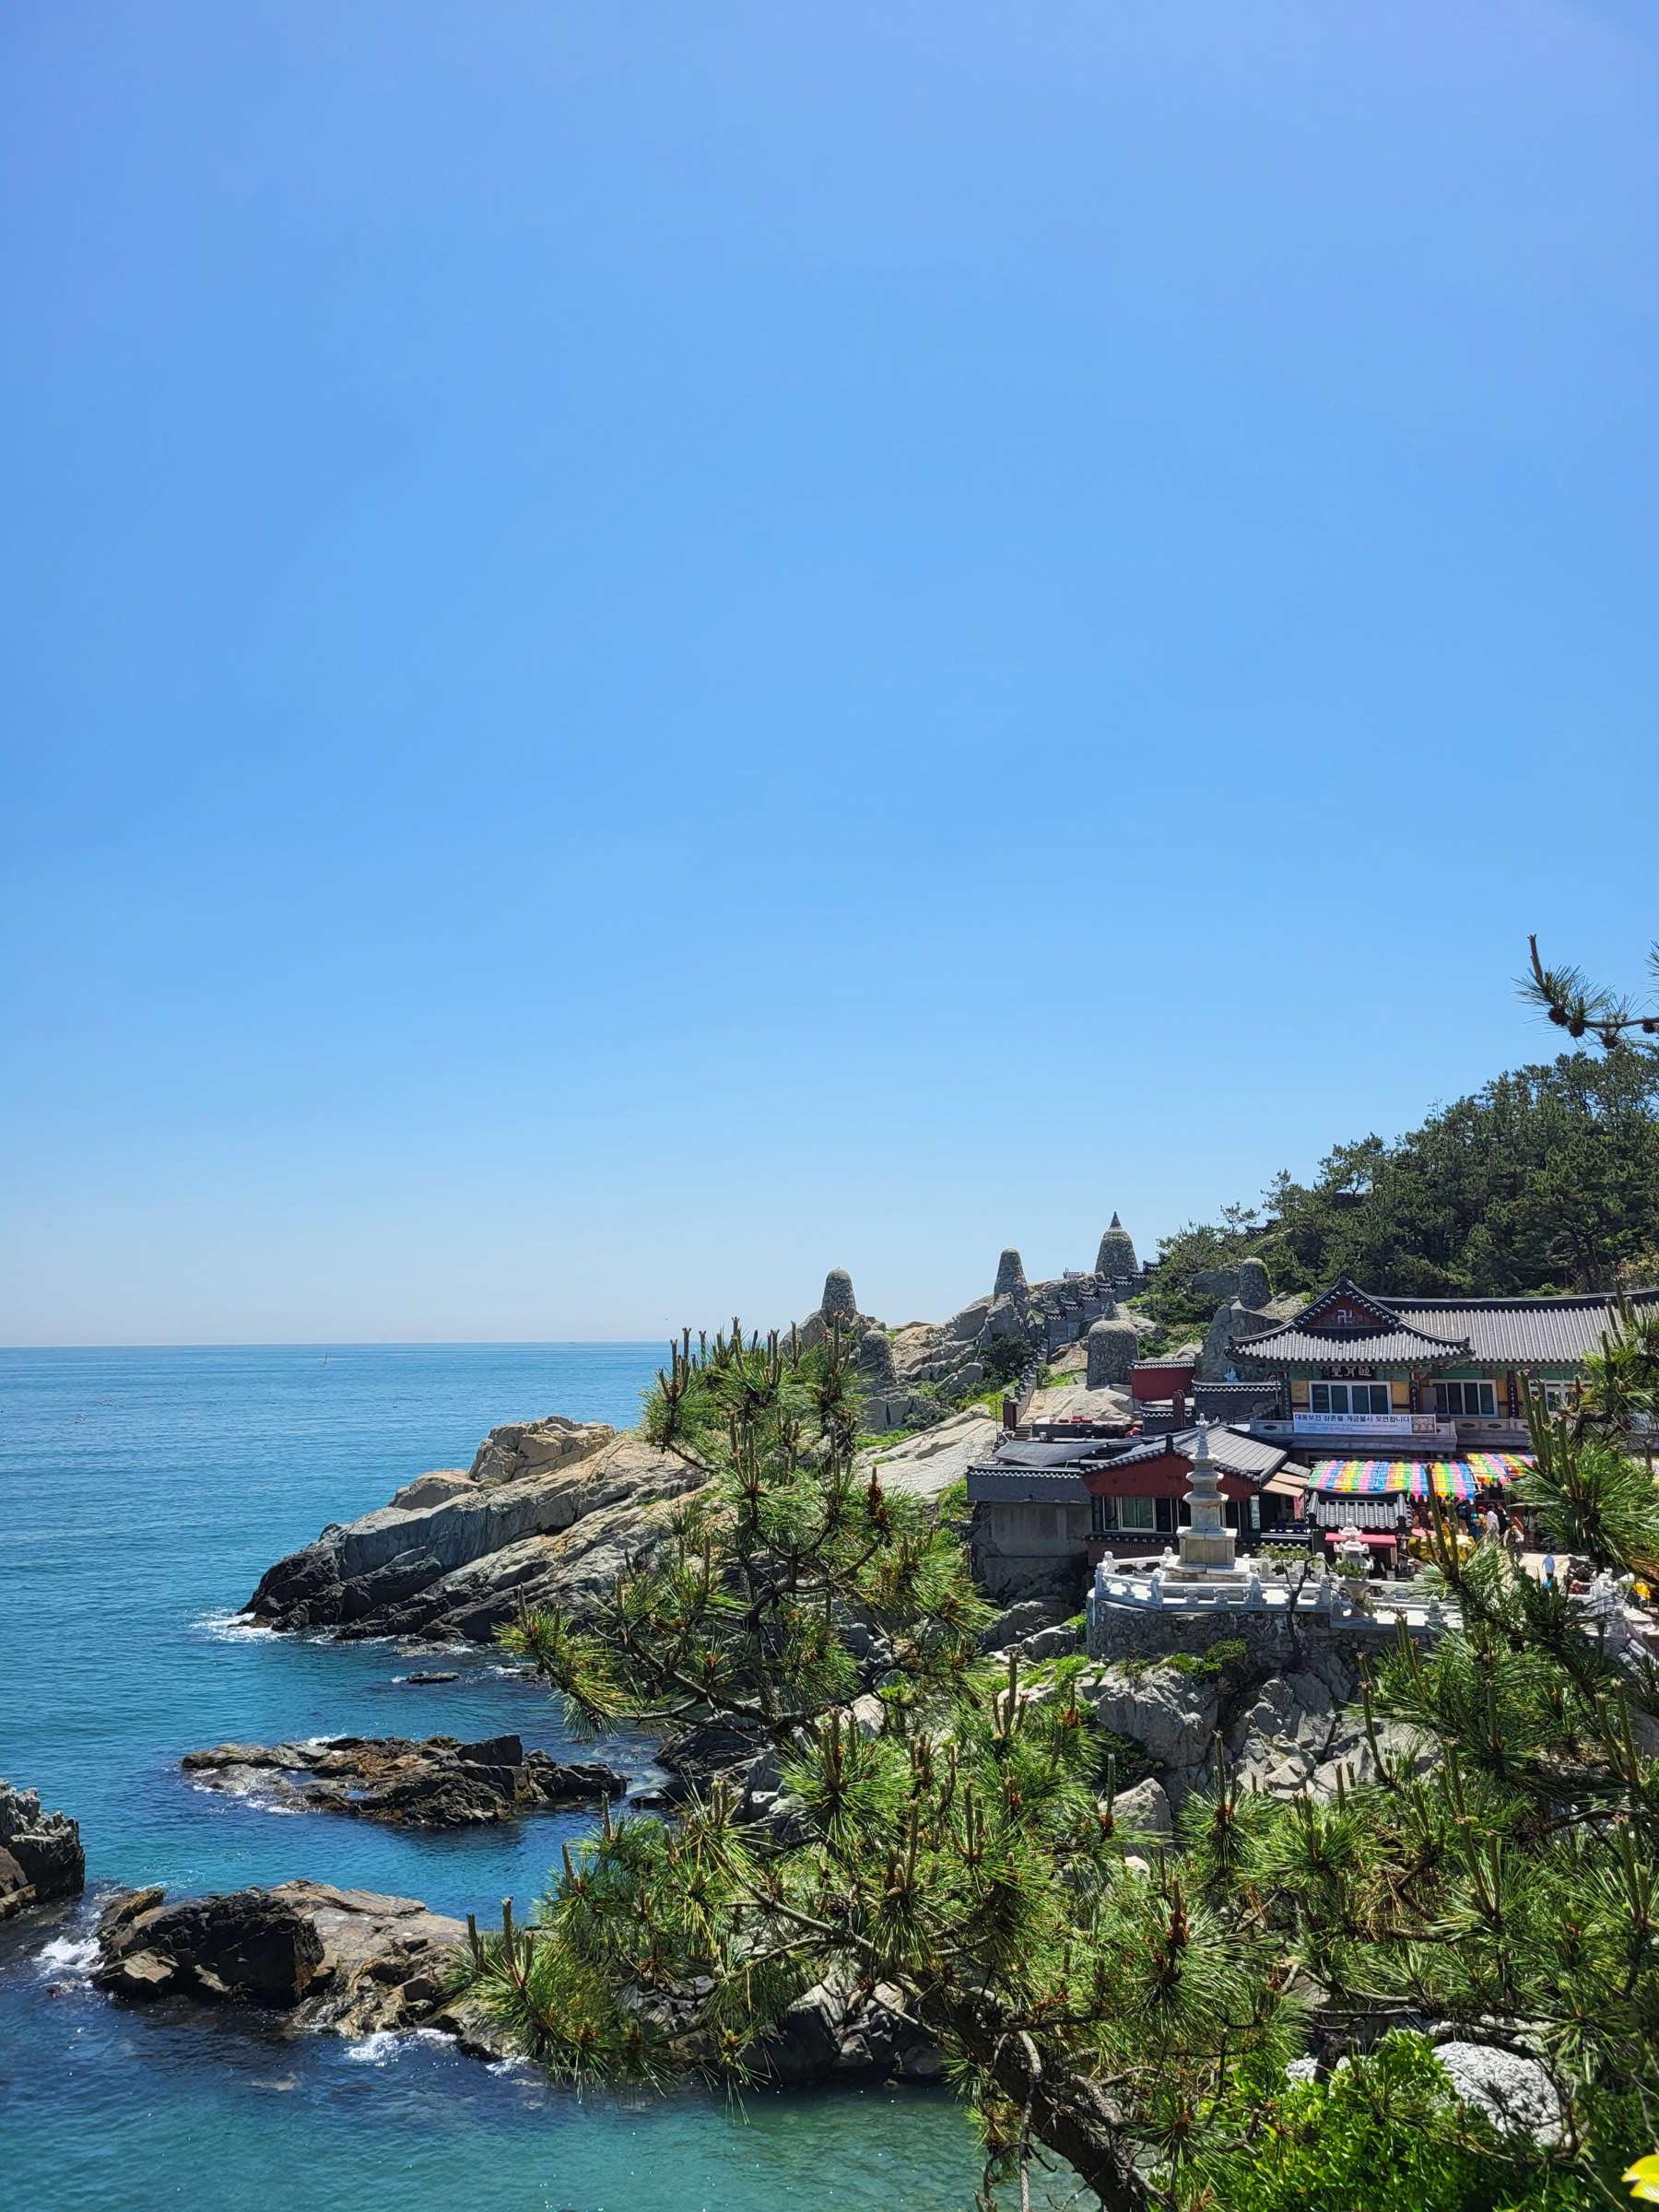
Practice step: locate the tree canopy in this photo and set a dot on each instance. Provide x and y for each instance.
(1544, 1180)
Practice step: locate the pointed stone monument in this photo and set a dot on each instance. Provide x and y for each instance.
(1116, 1260)
(1208, 1546)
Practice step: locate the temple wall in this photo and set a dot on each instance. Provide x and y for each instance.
(1141, 1632)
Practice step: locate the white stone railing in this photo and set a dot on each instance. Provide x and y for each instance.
(1327, 1598)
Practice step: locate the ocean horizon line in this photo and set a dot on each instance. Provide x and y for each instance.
(354, 1344)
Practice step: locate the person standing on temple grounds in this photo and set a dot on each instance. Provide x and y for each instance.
(1491, 1528)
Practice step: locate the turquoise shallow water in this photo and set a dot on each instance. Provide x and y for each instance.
(141, 1494)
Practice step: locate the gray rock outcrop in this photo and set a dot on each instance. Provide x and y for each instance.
(1113, 1347)
(875, 1360)
(1171, 1714)
(41, 1855)
(559, 1509)
(838, 1302)
(834, 2031)
(1515, 2093)
(1010, 1276)
(1235, 1319)
(349, 1960)
(436, 1782)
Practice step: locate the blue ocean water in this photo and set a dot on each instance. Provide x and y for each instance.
(142, 1493)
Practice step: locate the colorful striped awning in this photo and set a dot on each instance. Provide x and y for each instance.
(1414, 1477)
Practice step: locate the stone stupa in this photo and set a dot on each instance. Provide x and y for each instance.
(1206, 1552)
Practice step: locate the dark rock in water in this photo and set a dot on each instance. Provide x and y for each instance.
(440, 1676)
(319, 1958)
(251, 1945)
(41, 1853)
(437, 1781)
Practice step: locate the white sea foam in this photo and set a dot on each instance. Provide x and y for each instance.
(67, 1955)
(255, 1790)
(388, 2043)
(232, 1628)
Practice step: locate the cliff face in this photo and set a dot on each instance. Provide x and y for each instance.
(41, 1853)
(548, 1512)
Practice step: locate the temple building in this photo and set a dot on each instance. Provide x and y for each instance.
(1044, 1510)
(1394, 1400)
(1420, 1377)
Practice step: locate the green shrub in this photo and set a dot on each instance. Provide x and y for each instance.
(1383, 2134)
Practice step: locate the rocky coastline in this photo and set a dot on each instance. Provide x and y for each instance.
(550, 1512)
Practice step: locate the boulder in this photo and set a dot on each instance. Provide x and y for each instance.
(1515, 2093)
(1112, 1348)
(1144, 1811)
(41, 1855)
(1234, 1319)
(522, 1448)
(435, 1782)
(834, 2033)
(967, 1326)
(1016, 1623)
(1011, 1278)
(1058, 1642)
(1171, 1714)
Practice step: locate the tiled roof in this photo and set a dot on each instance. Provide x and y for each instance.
(1552, 1331)
(1446, 1331)
(1036, 1486)
(1291, 1345)
(1232, 1453)
(1031, 1452)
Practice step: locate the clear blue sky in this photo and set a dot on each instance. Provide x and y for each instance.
(651, 647)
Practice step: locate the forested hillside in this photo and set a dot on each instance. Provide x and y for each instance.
(1546, 1180)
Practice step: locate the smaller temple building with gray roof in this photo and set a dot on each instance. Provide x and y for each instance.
(1045, 1510)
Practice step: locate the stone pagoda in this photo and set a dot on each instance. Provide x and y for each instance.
(1206, 1553)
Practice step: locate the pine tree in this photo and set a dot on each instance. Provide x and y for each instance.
(949, 1840)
